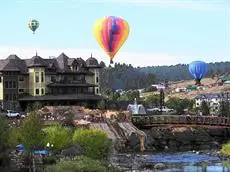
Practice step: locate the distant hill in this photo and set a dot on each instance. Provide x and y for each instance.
(123, 76)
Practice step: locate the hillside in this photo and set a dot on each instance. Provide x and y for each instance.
(123, 76)
(208, 86)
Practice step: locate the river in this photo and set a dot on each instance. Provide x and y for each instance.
(188, 162)
(172, 162)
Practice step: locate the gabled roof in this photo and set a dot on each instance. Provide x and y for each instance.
(61, 64)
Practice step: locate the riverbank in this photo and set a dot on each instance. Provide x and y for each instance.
(174, 139)
(169, 161)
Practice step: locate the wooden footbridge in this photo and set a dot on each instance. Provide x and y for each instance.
(148, 121)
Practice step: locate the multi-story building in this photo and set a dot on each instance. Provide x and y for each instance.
(57, 81)
(213, 100)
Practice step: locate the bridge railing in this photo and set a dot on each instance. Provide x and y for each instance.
(147, 120)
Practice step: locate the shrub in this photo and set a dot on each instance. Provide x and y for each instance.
(59, 136)
(83, 164)
(225, 150)
(94, 141)
(49, 160)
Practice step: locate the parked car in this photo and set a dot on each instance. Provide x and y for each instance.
(11, 113)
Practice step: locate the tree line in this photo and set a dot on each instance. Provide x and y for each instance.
(124, 76)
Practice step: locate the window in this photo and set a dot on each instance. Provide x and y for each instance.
(10, 84)
(42, 91)
(37, 91)
(53, 79)
(14, 84)
(97, 79)
(7, 97)
(21, 79)
(42, 76)
(97, 91)
(21, 90)
(37, 77)
(6, 84)
(0, 79)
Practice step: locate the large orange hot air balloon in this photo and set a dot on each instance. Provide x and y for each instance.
(111, 33)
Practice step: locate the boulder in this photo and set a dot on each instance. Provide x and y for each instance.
(159, 166)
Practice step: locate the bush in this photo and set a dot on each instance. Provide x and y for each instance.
(59, 136)
(49, 160)
(225, 150)
(83, 164)
(94, 141)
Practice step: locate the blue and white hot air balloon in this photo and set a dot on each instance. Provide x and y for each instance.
(198, 69)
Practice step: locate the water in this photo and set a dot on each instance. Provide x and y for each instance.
(188, 162)
(136, 108)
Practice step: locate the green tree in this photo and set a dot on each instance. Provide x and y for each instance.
(4, 135)
(31, 133)
(162, 99)
(15, 137)
(94, 141)
(60, 137)
(102, 64)
(180, 104)
(205, 108)
(224, 109)
(152, 100)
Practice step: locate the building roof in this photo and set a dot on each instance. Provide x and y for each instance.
(62, 97)
(60, 64)
(92, 62)
(212, 96)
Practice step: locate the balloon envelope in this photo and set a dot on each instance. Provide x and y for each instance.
(33, 25)
(111, 33)
(198, 69)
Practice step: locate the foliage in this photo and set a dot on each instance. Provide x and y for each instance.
(101, 105)
(225, 150)
(4, 134)
(59, 136)
(224, 109)
(179, 104)
(205, 108)
(48, 160)
(94, 141)
(124, 76)
(152, 100)
(162, 99)
(31, 133)
(83, 164)
(150, 89)
(15, 137)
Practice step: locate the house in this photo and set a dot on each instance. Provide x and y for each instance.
(159, 86)
(53, 81)
(179, 90)
(213, 100)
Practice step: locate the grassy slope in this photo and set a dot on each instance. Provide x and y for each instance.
(209, 86)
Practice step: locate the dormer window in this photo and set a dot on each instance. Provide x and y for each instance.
(51, 67)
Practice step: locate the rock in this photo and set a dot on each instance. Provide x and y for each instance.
(159, 166)
(73, 151)
(215, 145)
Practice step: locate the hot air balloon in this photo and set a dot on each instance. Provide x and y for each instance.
(111, 33)
(33, 25)
(198, 69)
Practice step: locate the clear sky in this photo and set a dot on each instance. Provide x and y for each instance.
(162, 32)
